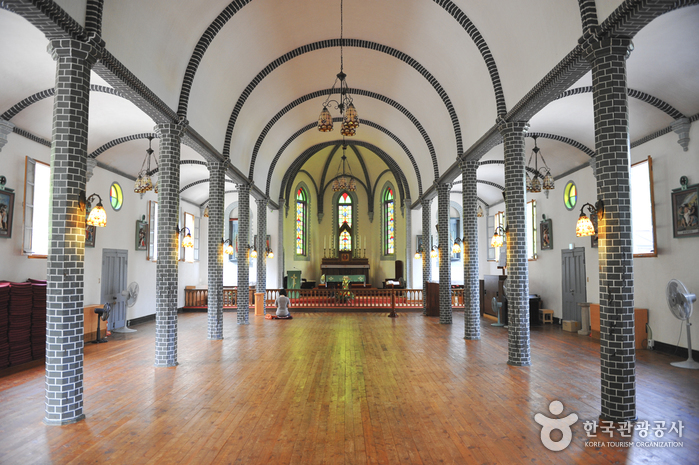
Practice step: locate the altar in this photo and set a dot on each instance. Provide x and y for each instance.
(335, 268)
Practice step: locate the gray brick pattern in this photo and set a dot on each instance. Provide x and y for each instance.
(616, 287)
(588, 15)
(93, 16)
(217, 188)
(445, 311)
(261, 285)
(354, 92)
(166, 275)
(65, 267)
(289, 176)
(279, 253)
(336, 43)
(637, 94)
(426, 264)
(517, 265)
(408, 244)
(39, 96)
(243, 316)
(5, 129)
(469, 250)
(394, 166)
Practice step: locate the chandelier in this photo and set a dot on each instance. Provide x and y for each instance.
(344, 181)
(143, 182)
(350, 119)
(534, 183)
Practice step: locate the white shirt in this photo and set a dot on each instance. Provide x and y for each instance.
(282, 303)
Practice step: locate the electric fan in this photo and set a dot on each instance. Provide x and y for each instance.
(102, 315)
(131, 296)
(497, 306)
(680, 301)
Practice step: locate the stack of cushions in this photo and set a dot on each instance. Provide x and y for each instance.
(20, 313)
(4, 322)
(38, 332)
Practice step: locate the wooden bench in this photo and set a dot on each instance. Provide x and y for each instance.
(546, 315)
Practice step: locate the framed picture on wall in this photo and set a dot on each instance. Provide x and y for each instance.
(7, 210)
(685, 212)
(418, 247)
(546, 231)
(90, 233)
(141, 235)
(266, 245)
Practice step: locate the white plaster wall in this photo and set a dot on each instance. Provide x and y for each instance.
(14, 266)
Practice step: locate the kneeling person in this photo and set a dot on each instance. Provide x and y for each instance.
(282, 303)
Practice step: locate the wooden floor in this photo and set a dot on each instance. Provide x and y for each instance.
(339, 388)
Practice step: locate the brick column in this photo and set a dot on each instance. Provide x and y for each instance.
(408, 245)
(166, 277)
(445, 313)
(261, 249)
(616, 287)
(65, 267)
(517, 266)
(469, 250)
(426, 265)
(5, 129)
(217, 194)
(243, 299)
(280, 242)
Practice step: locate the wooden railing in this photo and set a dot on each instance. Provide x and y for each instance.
(321, 298)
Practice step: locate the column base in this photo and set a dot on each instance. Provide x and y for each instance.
(472, 338)
(616, 421)
(519, 364)
(243, 323)
(218, 338)
(48, 421)
(165, 365)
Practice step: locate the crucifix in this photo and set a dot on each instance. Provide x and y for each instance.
(293, 279)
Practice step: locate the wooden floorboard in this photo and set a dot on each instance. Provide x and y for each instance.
(339, 388)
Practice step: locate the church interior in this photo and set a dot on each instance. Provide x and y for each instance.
(168, 168)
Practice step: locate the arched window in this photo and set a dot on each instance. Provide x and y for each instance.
(389, 221)
(344, 222)
(301, 221)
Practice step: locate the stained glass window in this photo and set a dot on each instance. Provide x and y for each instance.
(389, 222)
(301, 221)
(570, 195)
(344, 215)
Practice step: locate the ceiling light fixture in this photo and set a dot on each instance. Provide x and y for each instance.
(534, 183)
(143, 182)
(350, 120)
(344, 181)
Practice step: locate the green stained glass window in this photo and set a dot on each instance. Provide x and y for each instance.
(116, 196)
(344, 215)
(570, 195)
(389, 223)
(301, 221)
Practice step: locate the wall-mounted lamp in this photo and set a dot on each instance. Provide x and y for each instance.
(499, 237)
(228, 249)
(584, 226)
(418, 253)
(187, 241)
(456, 248)
(253, 254)
(269, 252)
(434, 253)
(98, 217)
(479, 214)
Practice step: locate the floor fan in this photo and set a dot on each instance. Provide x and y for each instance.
(680, 301)
(102, 315)
(131, 296)
(497, 306)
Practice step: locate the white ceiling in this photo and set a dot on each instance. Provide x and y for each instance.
(155, 39)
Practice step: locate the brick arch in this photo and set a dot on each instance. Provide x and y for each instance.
(235, 6)
(39, 96)
(113, 143)
(347, 43)
(295, 166)
(310, 126)
(321, 93)
(202, 181)
(637, 94)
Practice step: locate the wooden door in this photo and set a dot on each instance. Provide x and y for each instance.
(574, 287)
(114, 268)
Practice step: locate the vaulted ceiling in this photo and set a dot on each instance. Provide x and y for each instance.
(429, 80)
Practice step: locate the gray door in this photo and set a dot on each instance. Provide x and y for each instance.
(114, 267)
(574, 282)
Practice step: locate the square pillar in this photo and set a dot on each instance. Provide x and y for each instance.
(469, 250)
(445, 310)
(261, 286)
(243, 295)
(217, 193)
